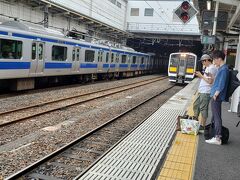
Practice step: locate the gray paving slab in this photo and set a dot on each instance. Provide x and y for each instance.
(220, 162)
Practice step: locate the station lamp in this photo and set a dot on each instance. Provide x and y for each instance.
(209, 3)
(185, 11)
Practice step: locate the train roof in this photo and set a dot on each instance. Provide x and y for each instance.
(40, 31)
(30, 27)
(183, 53)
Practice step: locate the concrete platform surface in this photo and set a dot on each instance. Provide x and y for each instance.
(220, 162)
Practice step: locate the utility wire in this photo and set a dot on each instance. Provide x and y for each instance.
(161, 17)
(98, 12)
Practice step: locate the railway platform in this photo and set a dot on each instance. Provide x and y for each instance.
(155, 151)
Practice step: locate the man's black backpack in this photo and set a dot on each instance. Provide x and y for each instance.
(209, 132)
(233, 83)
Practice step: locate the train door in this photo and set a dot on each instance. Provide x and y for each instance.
(129, 62)
(76, 59)
(38, 54)
(100, 61)
(182, 67)
(113, 65)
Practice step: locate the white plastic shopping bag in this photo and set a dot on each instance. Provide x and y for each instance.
(189, 126)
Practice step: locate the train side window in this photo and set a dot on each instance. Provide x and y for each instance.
(100, 56)
(124, 59)
(117, 57)
(40, 52)
(142, 60)
(59, 53)
(73, 54)
(78, 54)
(89, 55)
(107, 57)
(134, 59)
(10, 49)
(112, 57)
(34, 50)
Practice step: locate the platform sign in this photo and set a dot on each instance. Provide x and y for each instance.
(208, 39)
(185, 12)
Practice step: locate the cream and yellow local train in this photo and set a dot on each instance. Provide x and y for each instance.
(181, 67)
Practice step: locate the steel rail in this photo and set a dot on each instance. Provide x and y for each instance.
(40, 162)
(72, 104)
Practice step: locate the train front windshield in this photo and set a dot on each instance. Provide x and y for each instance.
(182, 60)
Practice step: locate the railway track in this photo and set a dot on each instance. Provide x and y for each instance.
(75, 158)
(26, 112)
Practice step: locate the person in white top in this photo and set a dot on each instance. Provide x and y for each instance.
(200, 104)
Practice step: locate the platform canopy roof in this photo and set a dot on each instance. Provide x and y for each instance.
(93, 24)
(232, 7)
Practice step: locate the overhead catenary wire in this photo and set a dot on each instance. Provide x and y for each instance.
(42, 21)
(102, 10)
(161, 17)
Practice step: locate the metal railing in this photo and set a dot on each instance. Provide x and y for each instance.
(191, 29)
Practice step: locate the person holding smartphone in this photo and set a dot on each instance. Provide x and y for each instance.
(201, 102)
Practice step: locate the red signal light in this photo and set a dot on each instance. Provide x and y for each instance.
(185, 5)
(185, 11)
(185, 17)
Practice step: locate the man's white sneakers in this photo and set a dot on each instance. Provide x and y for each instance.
(214, 140)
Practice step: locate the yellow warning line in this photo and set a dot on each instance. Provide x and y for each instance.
(180, 161)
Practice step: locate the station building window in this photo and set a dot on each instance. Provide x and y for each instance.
(89, 55)
(148, 12)
(10, 49)
(134, 12)
(119, 4)
(124, 59)
(59, 53)
(113, 1)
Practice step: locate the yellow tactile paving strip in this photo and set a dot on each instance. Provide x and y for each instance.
(180, 161)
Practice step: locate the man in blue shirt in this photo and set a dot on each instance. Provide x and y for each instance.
(218, 94)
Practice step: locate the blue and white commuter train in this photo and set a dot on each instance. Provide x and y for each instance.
(27, 53)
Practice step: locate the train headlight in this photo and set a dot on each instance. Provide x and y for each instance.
(183, 55)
